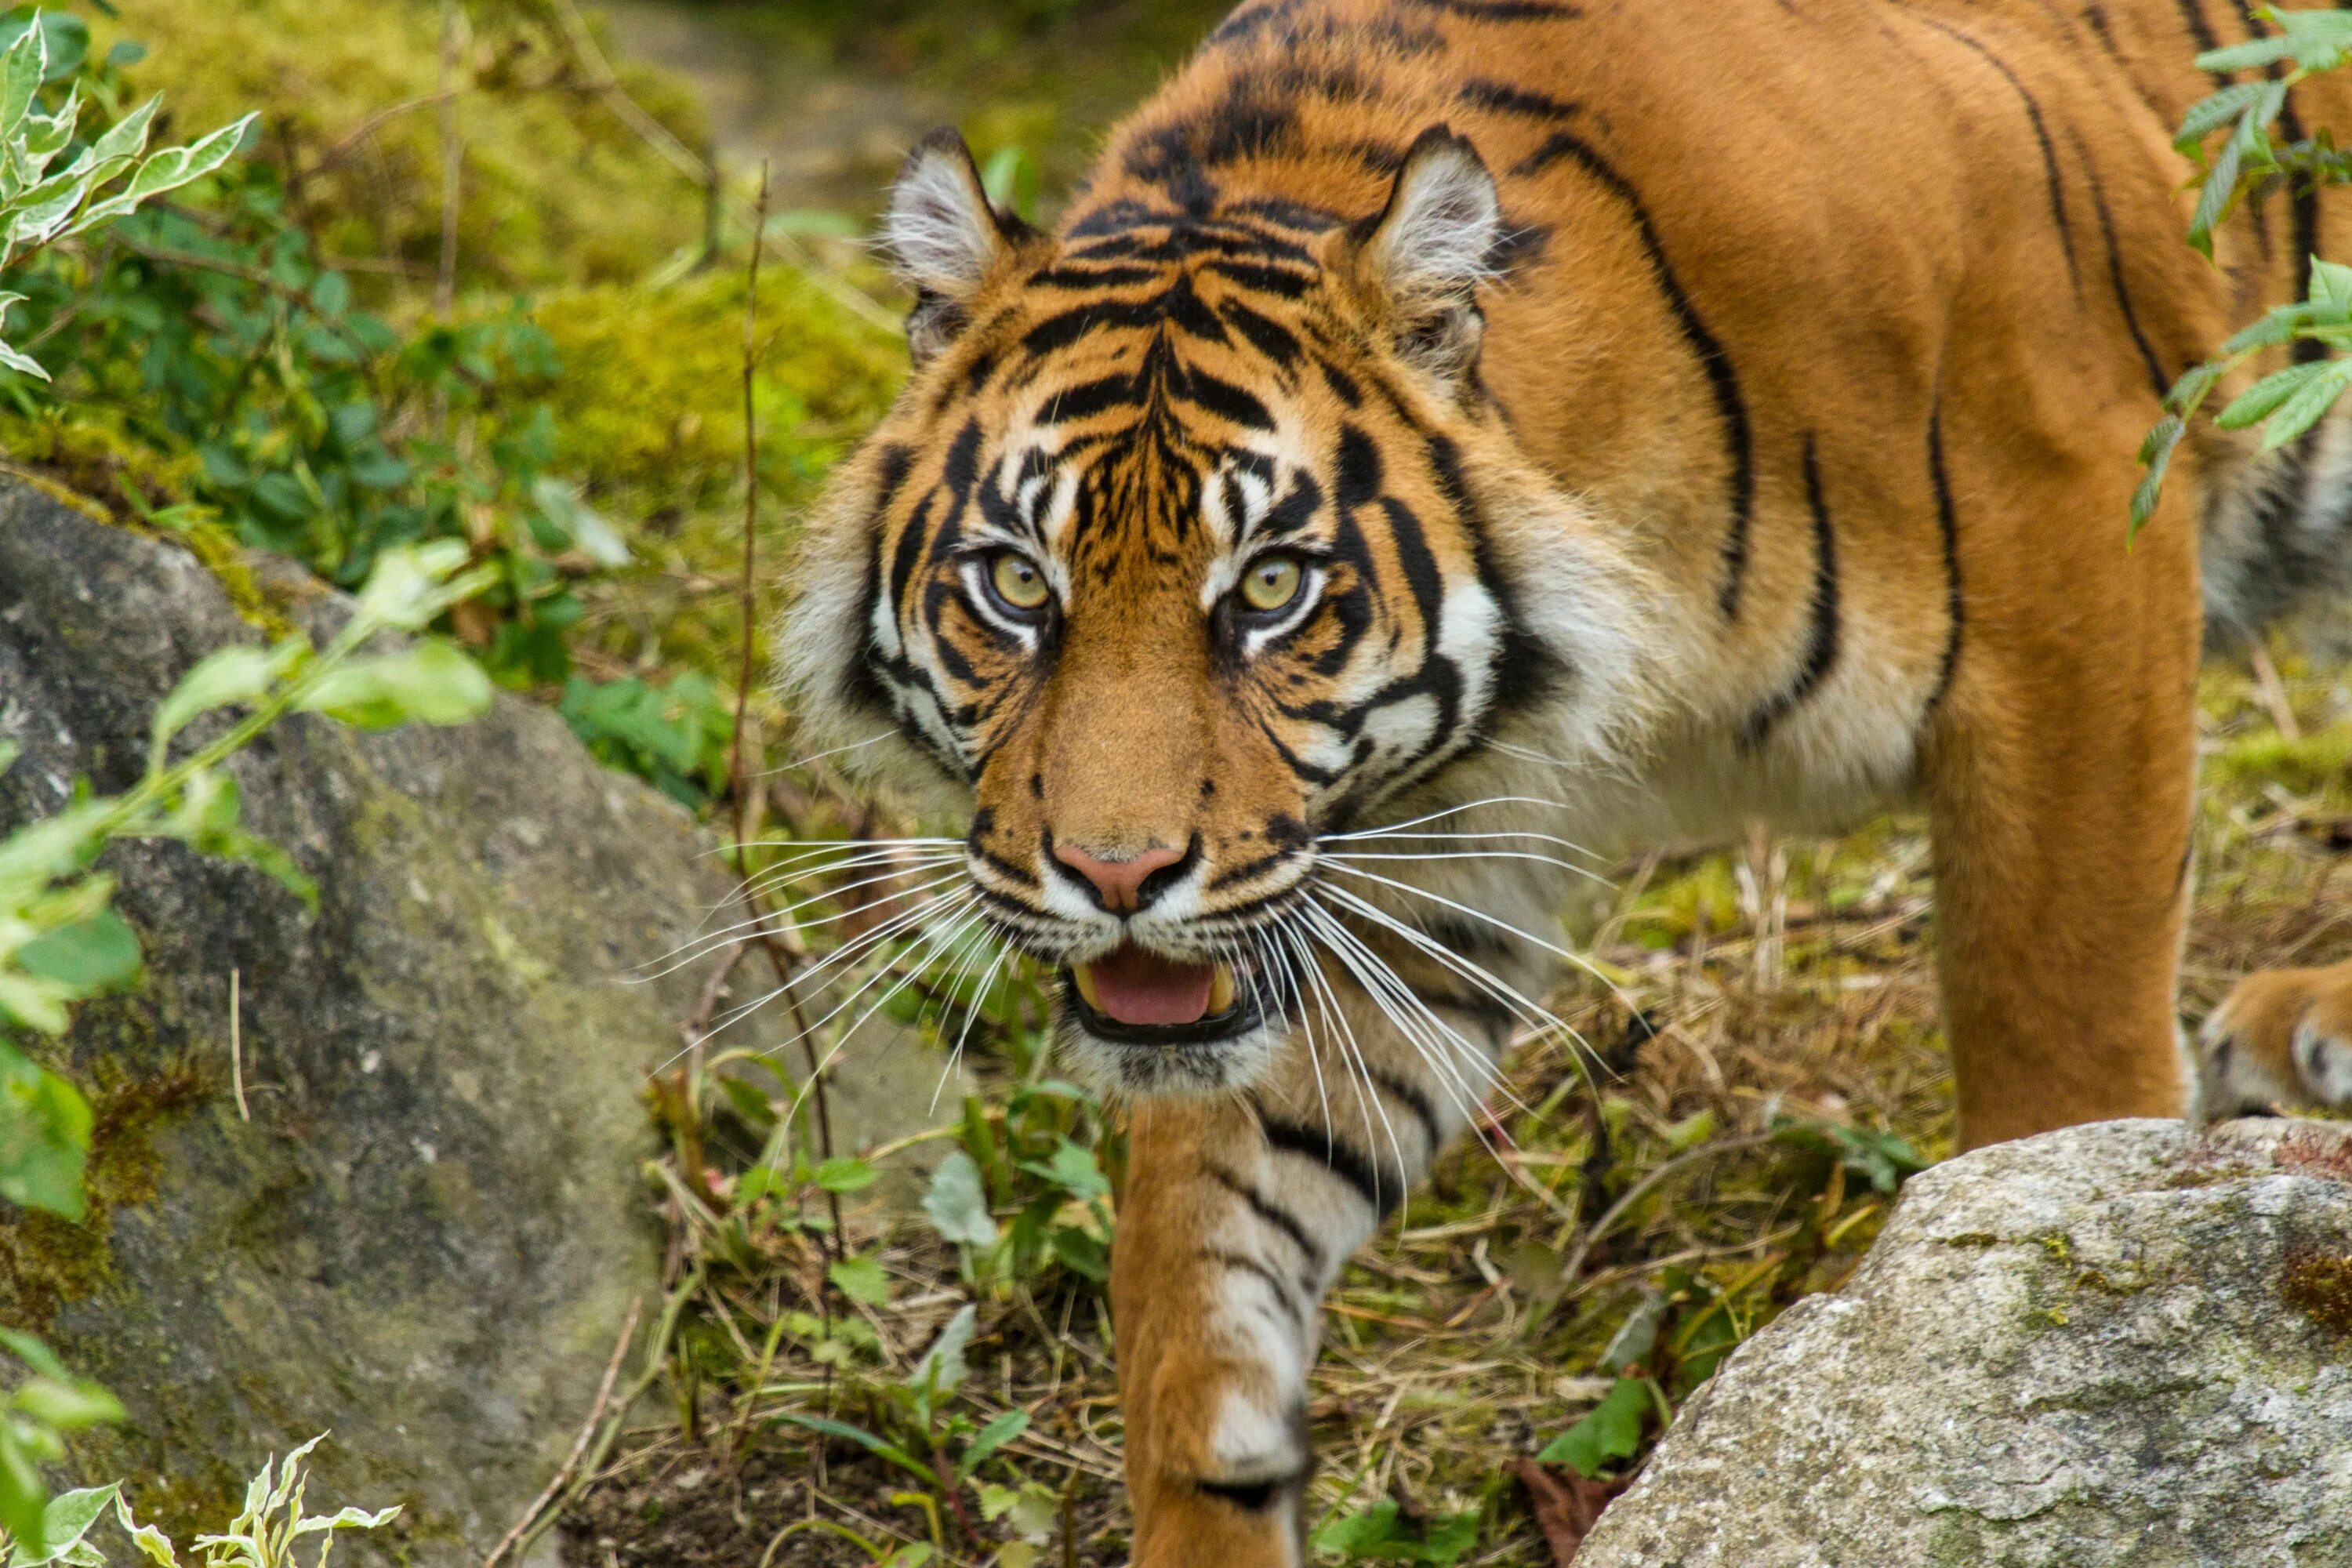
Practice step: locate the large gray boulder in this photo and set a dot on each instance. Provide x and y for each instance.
(428, 1233)
(2126, 1343)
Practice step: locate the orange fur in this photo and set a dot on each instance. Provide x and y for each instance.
(1767, 457)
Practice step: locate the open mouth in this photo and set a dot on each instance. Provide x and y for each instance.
(1132, 995)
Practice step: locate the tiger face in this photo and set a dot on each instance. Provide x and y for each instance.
(1192, 541)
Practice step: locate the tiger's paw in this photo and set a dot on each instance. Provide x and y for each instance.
(2280, 1042)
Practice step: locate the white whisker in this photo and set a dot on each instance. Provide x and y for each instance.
(1552, 947)
(1583, 871)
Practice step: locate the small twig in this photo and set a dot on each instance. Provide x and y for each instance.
(2273, 689)
(579, 1444)
(343, 144)
(445, 283)
(1641, 1189)
(236, 1044)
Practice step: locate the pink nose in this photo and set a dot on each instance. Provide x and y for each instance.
(1116, 882)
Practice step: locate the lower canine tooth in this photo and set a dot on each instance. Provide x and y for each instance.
(1083, 976)
(1220, 989)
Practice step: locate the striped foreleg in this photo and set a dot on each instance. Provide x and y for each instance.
(1237, 1217)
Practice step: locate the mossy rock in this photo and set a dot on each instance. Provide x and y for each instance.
(426, 1222)
(2060, 1353)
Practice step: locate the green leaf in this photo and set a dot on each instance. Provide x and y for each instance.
(989, 1439)
(941, 1370)
(2156, 455)
(2331, 286)
(2221, 190)
(1082, 1254)
(9, 753)
(880, 1447)
(24, 1499)
(152, 1542)
(2308, 405)
(861, 1280)
(237, 674)
(90, 956)
(1380, 1535)
(21, 69)
(65, 1406)
(64, 1522)
(44, 1137)
(581, 523)
(415, 582)
(2208, 115)
(22, 364)
(1636, 1337)
(845, 1175)
(2260, 401)
(168, 170)
(2248, 55)
(958, 1203)
(1610, 1430)
(429, 682)
(1073, 1168)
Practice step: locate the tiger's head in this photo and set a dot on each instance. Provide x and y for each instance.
(1195, 539)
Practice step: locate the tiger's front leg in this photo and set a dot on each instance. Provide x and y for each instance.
(1237, 1215)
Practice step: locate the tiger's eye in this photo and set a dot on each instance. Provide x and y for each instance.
(1018, 582)
(1272, 582)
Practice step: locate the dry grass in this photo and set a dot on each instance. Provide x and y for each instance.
(1779, 982)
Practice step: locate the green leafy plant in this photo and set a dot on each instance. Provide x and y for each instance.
(61, 943)
(1382, 1533)
(39, 205)
(2249, 164)
(264, 1535)
(931, 1440)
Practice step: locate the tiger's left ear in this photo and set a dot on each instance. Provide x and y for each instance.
(944, 237)
(1431, 246)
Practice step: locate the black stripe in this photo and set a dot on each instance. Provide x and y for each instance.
(1721, 377)
(1273, 1214)
(1334, 1155)
(2041, 135)
(1242, 1262)
(2304, 208)
(2156, 376)
(1948, 522)
(1089, 398)
(1228, 401)
(892, 462)
(1821, 649)
(1268, 336)
(1414, 1098)
(1505, 10)
(2193, 14)
(1504, 99)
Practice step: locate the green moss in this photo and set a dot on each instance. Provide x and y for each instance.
(1973, 1238)
(45, 1261)
(2303, 766)
(556, 188)
(2319, 1285)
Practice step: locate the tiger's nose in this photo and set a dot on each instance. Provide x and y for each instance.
(1118, 884)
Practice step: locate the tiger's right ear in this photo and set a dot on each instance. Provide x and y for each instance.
(943, 235)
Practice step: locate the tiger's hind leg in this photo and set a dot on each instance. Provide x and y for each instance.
(2280, 1041)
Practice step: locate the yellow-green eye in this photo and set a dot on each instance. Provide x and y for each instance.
(1018, 582)
(1272, 582)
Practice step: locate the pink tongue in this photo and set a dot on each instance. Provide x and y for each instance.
(1138, 987)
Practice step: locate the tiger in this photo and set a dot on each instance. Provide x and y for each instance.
(1443, 445)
